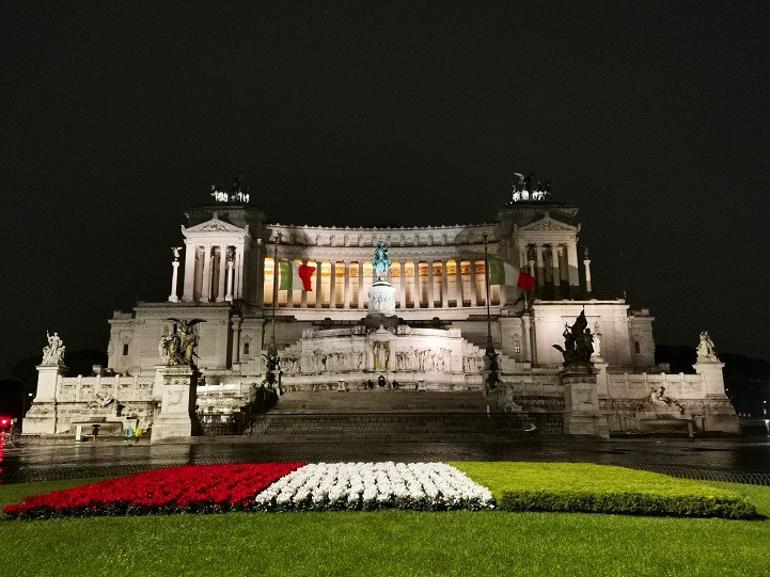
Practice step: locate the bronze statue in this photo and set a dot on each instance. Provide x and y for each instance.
(178, 347)
(578, 342)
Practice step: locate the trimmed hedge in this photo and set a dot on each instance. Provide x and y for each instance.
(629, 504)
(589, 488)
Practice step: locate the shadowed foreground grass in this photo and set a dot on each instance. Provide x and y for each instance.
(384, 543)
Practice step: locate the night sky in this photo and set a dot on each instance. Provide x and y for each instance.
(653, 118)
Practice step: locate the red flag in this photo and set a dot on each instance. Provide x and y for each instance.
(526, 282)
(305, 274)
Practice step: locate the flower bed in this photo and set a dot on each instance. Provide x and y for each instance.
(189, 489)
(367, 486)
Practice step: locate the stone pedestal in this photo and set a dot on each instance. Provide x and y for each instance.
(382, 299)
(177, 412)
(719, 413)
(581, 402)
(41, 417)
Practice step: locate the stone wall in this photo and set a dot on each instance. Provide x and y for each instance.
(104, 399)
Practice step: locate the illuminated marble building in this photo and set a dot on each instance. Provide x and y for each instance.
(226, 277)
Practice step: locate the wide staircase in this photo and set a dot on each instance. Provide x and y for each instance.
(395, 415)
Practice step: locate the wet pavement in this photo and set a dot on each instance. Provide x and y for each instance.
(718, 458)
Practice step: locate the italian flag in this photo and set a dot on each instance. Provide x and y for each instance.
(292, 276)
(502, 273)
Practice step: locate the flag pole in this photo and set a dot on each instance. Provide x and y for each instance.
(491, 368)
(486, 283)
(273, 363)
(276, 270)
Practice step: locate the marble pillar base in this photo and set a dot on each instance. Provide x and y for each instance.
(720, 415)
(581, 403)
(382, 299)
(40, 419)
(177, 416)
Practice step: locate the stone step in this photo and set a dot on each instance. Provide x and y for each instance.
(381, 401)
(404, 426)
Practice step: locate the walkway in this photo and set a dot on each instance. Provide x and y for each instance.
(728, 458)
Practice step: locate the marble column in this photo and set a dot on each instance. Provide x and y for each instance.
(206, 284)
(555, 271)
(189, 274)
(459, 283)
(346, 298)
(318, 284)
(259, 258)
(431, 286)
(230, 274)
(360, 273)
(540, 275)
(303, 292)
(222, 268)
(402, 284)
(572, 267)
(587, 267)
(444, 285)
(238, 277)
(173, 298)
(476, 298)
(235, 350)
(332, 284)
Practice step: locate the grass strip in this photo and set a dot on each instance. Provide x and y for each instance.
(589, 488)
(385, 543)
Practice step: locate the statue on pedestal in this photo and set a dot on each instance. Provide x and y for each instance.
(179, 347)
(381, 261)
(578, 342)
(382, 296)
(706, 350)
(53, 353)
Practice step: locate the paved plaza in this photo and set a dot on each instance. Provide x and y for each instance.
(745, 459)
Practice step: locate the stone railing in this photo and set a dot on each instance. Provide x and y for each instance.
(640, 385)
(225, 398)
(87, 389)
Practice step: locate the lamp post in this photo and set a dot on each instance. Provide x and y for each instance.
(491, 369)
(272, 360)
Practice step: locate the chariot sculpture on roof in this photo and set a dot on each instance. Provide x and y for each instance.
(239, 193)
(524, 190)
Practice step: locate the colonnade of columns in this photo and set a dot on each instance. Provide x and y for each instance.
(419, 284)
(554, 266)
(210, 274)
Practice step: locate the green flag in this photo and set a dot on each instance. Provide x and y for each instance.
(500, 272)
(284, 275)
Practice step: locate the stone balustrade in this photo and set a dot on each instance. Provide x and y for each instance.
(641, 385)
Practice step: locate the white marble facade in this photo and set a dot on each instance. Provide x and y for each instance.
(437, 275)
(225, 277)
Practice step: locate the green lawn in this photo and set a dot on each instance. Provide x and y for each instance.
(573, 487)
(385, 543)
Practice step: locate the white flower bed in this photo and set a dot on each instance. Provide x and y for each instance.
(336, 486)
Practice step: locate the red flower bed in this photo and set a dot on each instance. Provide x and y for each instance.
(189, 489)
